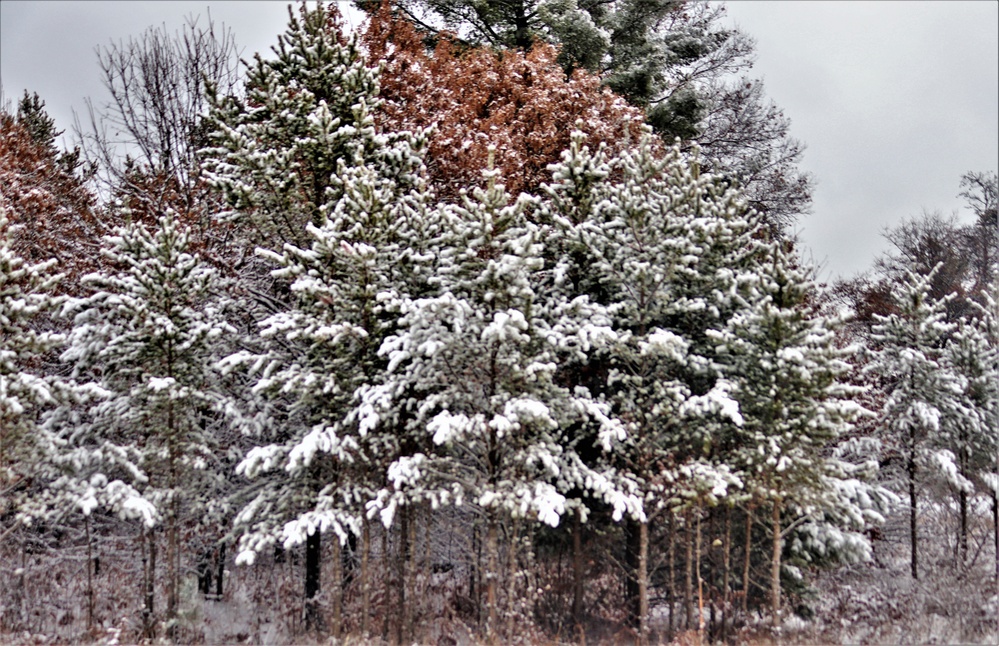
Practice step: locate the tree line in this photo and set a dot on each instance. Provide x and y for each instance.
(350, 304)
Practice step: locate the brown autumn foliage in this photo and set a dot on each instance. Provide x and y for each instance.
(51, 211)
(521, 102)
(53, 214)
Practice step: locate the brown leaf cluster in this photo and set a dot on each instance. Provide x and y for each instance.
(51, 211)
(521, 102)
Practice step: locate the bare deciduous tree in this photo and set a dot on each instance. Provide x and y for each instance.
(148, 134)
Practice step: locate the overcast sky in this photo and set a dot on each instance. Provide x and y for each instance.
(894, 100)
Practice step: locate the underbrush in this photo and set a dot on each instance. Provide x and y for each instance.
(48, 599)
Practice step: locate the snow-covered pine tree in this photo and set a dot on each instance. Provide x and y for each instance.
(661, 248)
(791, 384)
(316, 465)
(471, 374)
(276, 151)
(25, 391)
(989, 327)
(343, 211)
(29, 389)
(147, 339)
(969, 430)
(921, 390)
(36, 400)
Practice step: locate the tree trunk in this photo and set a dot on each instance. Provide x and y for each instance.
(746, 562)
(387, 579)
(512, 592)
(313, 554)
(149, 574)
(173, 547)
(711, 597)
(964, 460)
(688, 591)
(174, 576)
(475, 592)
(671, 578)
(775, 568)
(700, 579)
(348, 556)
(962, 542)
(995, 527)
(90, 581)
(221, 571)
(428, 554)
(410, 575)
(631, 546)
(643, 582)
(23, 582)
(365, 575)
(577, 572)
(401, 579)
(339, 581)
(522, 35)
(913, 536)
(492, 572)
(529, 602)
(726, 574)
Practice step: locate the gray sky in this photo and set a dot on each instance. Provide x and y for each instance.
(895, 100)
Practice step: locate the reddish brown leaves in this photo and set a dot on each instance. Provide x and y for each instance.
(50, 210)
(521, 102)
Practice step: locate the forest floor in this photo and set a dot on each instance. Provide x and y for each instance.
(878, 602)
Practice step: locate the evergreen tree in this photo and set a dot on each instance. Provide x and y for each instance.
(795, 402)
(147, 338)
(275, 153)
(662, 247)
(32, 116)
(921, 390)
(341, 210)
(968, 432)
(472, 372)
(25, 390)
(318, 351)
(44, 477)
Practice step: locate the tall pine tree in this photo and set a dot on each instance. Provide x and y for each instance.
(25, 390)
(342, 212)
(795, 400)
(147, 339)
(921, 390)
